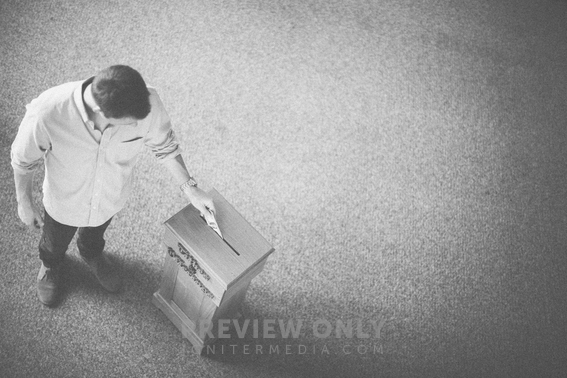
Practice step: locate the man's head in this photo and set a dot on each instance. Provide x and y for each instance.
(120, 92)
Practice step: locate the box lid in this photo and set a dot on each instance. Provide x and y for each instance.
(242, 248)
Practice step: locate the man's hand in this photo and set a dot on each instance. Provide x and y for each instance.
(200, 199)
(30, 214)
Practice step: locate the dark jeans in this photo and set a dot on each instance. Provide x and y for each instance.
(56, 238)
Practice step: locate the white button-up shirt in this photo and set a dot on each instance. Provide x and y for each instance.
(87, 173)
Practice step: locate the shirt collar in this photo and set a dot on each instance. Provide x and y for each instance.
(78, 97)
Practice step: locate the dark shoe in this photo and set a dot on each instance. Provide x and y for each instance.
(106, 273)
(48, 284)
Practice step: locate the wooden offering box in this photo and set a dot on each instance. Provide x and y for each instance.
(205, 278)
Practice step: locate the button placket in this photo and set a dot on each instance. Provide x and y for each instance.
(98, 176)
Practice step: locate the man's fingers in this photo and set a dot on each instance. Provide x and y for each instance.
(211, 208)
(201, 208)
(40, 221)
(37, 223)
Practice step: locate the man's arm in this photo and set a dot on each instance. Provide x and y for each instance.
(28, 212)
(26, 154)
(200, 199)
(161, 140)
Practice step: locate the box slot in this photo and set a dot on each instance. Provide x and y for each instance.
(223, 239)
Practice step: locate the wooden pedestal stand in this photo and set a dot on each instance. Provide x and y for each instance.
(205, 278)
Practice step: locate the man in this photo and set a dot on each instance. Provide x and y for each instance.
(88, 135)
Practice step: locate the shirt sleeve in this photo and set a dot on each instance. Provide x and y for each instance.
(31, 142)
(161, 139)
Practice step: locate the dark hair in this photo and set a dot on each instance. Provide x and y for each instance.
(121, 92)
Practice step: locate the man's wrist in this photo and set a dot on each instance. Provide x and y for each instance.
(24, 199)
(25, 204)
(188, 185)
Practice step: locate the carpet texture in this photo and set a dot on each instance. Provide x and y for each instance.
(406, 160)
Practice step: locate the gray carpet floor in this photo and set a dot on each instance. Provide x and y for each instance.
(406, 160)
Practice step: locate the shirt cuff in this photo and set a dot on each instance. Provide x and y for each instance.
(163, 156)
(25, 168)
